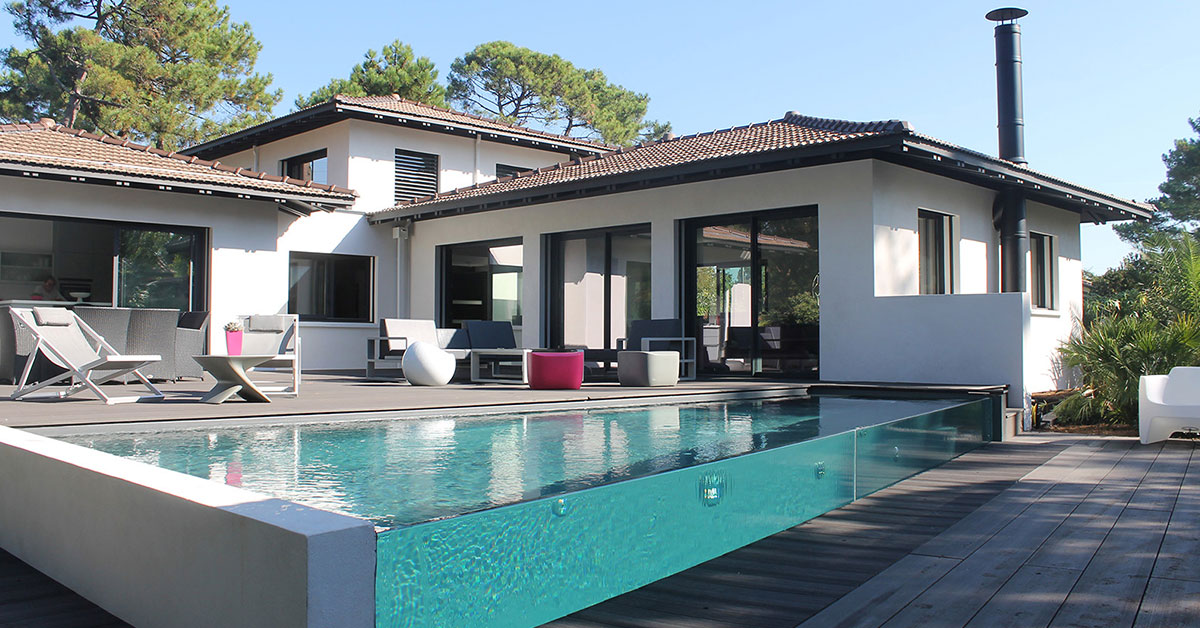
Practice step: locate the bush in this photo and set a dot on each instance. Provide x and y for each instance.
(1149, 334)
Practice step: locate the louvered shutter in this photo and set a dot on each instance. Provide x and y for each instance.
(416, 175)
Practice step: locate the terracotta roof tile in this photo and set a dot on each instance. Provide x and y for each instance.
(52, 145)
(396, 104)
(792, 131)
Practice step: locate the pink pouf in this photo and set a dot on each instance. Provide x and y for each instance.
(555, 370)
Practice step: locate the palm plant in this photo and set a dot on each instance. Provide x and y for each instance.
(1152, 333)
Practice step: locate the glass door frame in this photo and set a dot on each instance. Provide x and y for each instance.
(555, 310)
(688, 286)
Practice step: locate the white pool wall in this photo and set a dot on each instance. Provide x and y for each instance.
(160, 548)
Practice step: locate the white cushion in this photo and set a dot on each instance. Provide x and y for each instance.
(53, 316)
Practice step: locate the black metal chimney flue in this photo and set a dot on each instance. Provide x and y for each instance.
(1008, 83)
(1014, 236)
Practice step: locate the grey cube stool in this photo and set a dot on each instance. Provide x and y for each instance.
(648, 368)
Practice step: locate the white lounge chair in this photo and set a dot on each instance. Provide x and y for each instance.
(278, 335)
(68, 342)
(1168, 404)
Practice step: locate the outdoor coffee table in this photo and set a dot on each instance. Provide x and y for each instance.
(230, 371)
(490, 354)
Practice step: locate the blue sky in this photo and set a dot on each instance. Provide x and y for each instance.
(1108, 87)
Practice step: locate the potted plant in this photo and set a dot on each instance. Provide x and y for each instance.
(233, 337)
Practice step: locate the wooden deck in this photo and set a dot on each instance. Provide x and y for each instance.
(1096, 532)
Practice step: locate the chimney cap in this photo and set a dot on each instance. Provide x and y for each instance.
(1006, 14)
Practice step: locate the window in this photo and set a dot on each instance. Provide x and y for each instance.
(1042, 270)
(312, 166)
(505, 170)
(328, 287)
(416, 175)
(482, 281)
(936, 255)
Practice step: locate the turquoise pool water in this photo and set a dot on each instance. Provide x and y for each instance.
(515, 520)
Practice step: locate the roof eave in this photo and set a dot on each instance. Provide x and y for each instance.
(690, 172)
(300, 201)
(335, 111)
(1093, 206)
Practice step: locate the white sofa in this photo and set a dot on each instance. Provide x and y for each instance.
(1168, 404)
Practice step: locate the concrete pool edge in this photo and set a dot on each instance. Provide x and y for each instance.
(156, 547)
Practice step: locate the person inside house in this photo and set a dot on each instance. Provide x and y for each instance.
(48, 291)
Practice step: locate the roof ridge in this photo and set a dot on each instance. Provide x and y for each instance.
(340, 98)
(214, 165)
(847, 126)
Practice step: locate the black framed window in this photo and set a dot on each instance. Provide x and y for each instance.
(505, 170)
(416, 175)
(481, 281)
(330, 287)
(312, 166)
(936, 262)
(1042, 271)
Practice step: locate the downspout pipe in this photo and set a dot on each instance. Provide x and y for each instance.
(1014, 240)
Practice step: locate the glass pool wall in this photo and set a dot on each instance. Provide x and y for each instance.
(531, 562)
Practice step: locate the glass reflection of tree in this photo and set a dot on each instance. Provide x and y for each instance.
(155, 269)
(790, 289)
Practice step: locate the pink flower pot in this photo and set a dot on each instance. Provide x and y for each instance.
(233, 340)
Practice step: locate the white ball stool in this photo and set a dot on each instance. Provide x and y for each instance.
(425, 364)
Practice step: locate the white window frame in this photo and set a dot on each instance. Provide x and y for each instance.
(1045, 268)
(949, 250)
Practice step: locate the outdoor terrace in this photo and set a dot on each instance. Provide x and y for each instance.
(1042, 530)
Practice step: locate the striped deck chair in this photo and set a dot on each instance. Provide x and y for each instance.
(89, 361)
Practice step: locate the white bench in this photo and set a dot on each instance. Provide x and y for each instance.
(1168, 404)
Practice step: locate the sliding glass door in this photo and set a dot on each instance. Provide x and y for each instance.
(599, 284)
(754, 289)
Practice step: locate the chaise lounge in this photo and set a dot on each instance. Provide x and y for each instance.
(89, 361)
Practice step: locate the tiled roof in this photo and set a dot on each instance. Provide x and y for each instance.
(792, 131)
(396, 104)
(49, 145)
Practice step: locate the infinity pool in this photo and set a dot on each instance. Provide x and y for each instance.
(518, 519)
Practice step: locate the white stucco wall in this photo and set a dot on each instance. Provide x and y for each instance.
(1049, 328)
(251, 242)
(463, 161)
(362, 157)
(159, 548)
(874, 325)
(899, 193)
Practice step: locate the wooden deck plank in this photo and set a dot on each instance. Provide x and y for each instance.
(1169, 604)
(1160, 487)
(1111, 588)
(1030, 598)
(966, 536)
(1075, 542)
(1178, 556)
(879, 598)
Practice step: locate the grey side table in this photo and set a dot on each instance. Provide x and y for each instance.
(230, 371)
